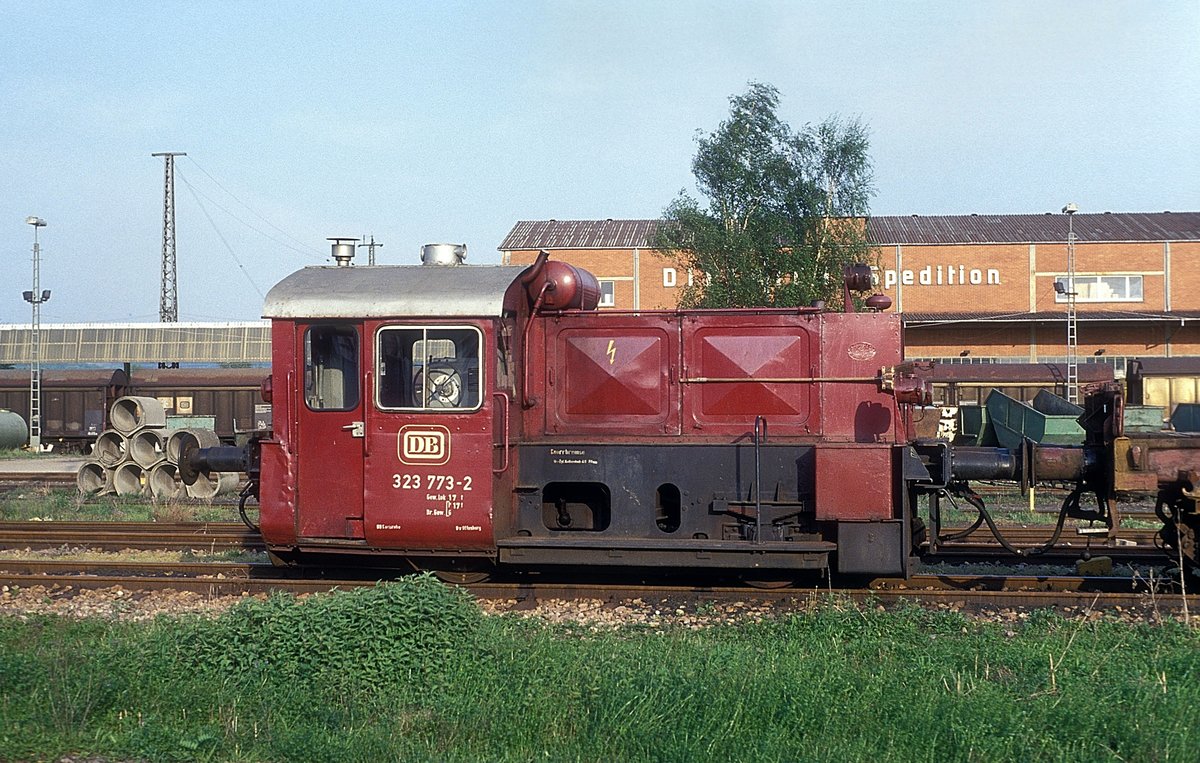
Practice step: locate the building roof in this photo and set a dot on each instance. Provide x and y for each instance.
(1033, 229)
(1001, 373)
(248, 342)
(1111, 316)
(891, 230)
(1177, 366)
(580, 234)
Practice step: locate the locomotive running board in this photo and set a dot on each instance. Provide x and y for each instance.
(666, 553)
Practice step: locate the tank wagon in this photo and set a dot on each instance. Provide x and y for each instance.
(468, 418)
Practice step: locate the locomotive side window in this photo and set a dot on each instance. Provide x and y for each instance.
(331, 368)
(428, 368)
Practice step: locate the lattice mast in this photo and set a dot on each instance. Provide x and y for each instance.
(168, 301)
(371, 246)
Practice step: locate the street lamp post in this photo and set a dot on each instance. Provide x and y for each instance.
(36, 298)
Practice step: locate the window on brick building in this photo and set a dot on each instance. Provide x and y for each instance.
(608, 293)
(1101, 288)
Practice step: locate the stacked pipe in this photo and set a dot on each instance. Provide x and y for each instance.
(139, 455)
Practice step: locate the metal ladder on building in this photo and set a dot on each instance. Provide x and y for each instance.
(1072, 351)
(1072, 322)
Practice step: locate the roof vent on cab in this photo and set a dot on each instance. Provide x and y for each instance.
(343, 250)
(443, 254)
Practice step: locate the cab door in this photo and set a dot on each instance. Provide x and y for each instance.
(429, 439)
(330, 431)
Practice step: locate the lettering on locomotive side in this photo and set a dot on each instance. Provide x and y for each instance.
(427, 444)
(571, 456)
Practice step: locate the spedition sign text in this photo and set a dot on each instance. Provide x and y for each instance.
(937, 275)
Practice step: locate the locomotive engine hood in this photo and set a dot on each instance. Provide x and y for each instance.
(391, 290)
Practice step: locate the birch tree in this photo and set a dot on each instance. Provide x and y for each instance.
(782, 210)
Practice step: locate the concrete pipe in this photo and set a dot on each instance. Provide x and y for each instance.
(213, 484)
(110, 448)
(189, 438)
(130, 414)
(94, 478)
(148, 446)
(165, 484)
(129, 479)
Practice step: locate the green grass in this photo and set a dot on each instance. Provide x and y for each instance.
(66, 504)
(413, 671)
(7, 453)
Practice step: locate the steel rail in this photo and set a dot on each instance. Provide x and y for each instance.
(971, 591)
(129, 535)
(35, 526)
(118, 567)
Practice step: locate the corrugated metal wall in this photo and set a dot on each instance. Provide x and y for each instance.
(140, 343)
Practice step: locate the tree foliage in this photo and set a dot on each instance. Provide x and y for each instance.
(784, 210)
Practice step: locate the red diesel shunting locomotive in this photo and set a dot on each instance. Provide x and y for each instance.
(467, 416)
(464, 418)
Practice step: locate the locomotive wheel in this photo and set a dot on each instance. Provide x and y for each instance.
(461, 577)
(1186, 538)
(767, 581)
(920, 534)
(281, 559)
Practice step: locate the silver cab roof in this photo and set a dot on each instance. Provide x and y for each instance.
(388, 291)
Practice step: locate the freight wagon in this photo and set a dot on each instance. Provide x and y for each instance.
(75, 403)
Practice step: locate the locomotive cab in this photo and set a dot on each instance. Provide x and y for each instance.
(385, 425)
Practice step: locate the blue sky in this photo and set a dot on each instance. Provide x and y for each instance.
(450, 121)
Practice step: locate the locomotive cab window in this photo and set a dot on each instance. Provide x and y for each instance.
(431, 368)
(331, 368)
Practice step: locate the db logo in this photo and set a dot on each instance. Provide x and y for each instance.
(427, 444)
(861, 351)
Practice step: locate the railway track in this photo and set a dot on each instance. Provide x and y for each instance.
(982, 591)
(117, 536)
(11, 479)
(234, 579)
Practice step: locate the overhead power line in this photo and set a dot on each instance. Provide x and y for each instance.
(304, 248)
(217, 230)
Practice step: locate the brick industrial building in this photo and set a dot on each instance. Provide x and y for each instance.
(971, 288)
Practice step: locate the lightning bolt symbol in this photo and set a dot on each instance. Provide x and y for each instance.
(612, 351)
